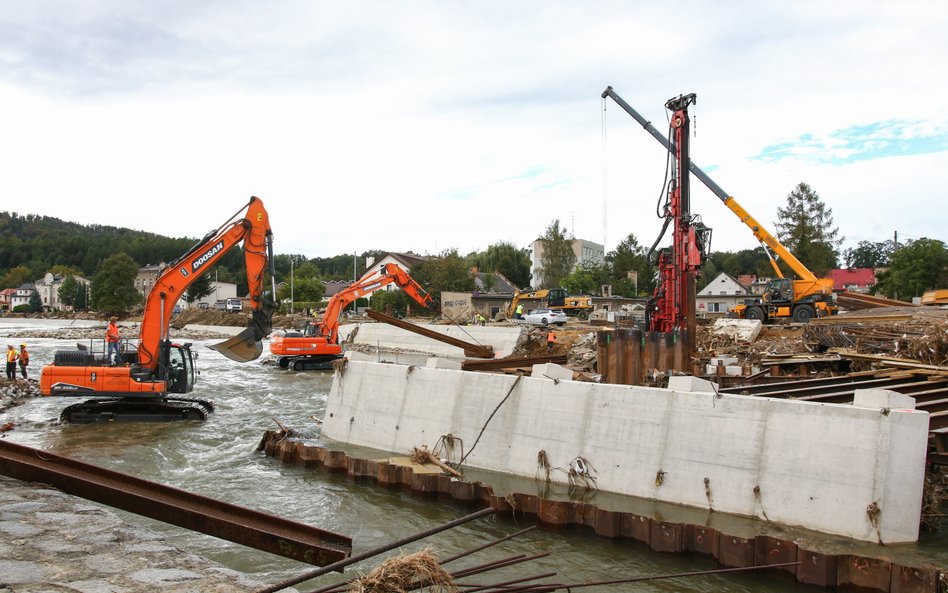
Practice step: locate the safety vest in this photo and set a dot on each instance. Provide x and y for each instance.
(24, 357)
(519, 308)
(11, 355)
(112, 333)
(551, 337)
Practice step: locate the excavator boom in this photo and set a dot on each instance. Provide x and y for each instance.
(319, 344)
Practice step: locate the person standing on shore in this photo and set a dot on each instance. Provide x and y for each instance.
(24, 360)
(112, 338)
(11, 362)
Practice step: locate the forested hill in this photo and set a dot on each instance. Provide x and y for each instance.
(41, 242)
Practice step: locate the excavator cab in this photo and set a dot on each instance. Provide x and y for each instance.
(180, 370)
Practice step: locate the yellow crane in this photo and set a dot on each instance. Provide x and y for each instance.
(799, 299)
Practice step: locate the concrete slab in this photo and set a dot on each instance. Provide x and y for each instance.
(502, 338)
(552, 371)
(812, 465)
(744, 330)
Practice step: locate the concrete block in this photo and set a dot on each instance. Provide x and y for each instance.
(725, 360)
(781, 455)
(551, 371)
(883, 398)
(689, 384)
(443, 363)
(744, 330)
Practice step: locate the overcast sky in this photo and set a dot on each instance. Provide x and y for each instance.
(425, 126)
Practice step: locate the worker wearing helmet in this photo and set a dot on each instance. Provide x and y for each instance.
(24, 360)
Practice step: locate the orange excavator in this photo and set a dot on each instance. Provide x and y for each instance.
(318, 344)
(150, 379)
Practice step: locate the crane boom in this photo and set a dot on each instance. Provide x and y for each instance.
(760, 233)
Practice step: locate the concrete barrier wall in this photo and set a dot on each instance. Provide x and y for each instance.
(818, 466)
(502, 338)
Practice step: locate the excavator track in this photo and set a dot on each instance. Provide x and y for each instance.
(309, 363)
(120, 409)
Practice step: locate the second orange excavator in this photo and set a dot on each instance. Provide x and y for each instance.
(318, 344)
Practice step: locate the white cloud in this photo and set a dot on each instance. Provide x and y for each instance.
(427, 125)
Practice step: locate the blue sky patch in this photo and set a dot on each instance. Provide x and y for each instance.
(862, 143)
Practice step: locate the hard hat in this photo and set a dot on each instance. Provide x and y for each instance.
(22, 345)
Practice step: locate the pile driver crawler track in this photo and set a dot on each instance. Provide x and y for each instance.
(128, 409)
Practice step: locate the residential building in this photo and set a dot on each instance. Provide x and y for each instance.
(48, 289)
(587, 253)
(854, 279)
(22, 295)
(405, 261)
(6, 298)
(721, 294)
(147, 276)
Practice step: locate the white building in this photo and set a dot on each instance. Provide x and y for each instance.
(373, 267)
(220, 291)
(721, 294)
(587, 253)
(22, 296)
(48, 289)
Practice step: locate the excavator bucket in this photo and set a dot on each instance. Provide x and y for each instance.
(246, 345)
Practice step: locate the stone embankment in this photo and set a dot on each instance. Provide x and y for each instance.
(51, 541)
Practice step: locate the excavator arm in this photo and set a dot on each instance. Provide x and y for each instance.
(254, 230)
(770, 243)
(389, 274)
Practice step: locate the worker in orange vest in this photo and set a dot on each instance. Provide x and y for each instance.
(11, 362)
(24, 360)
(550, 341)
(112, 339)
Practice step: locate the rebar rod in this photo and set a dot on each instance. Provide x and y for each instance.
(376, 551)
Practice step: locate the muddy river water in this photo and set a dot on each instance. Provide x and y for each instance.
(217, 458)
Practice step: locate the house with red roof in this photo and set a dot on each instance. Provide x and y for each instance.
(854, 279)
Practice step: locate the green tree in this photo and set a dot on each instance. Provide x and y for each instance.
(113, 286)
(868, 254)
(632, 274)
(582, 280)
(919, 266)
(36, 303)
(82, 297)
(392, 302)
(308, 289)
(17, 276)
(200, 288)
(68, 291)
(558, 257)
(446, 272)
(506, 258)
(61, 270)
(805, 227)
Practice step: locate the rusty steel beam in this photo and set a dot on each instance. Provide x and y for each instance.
(510, 362)
(470, 349)
(192, 511)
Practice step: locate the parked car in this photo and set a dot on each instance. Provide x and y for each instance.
(546, 316)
